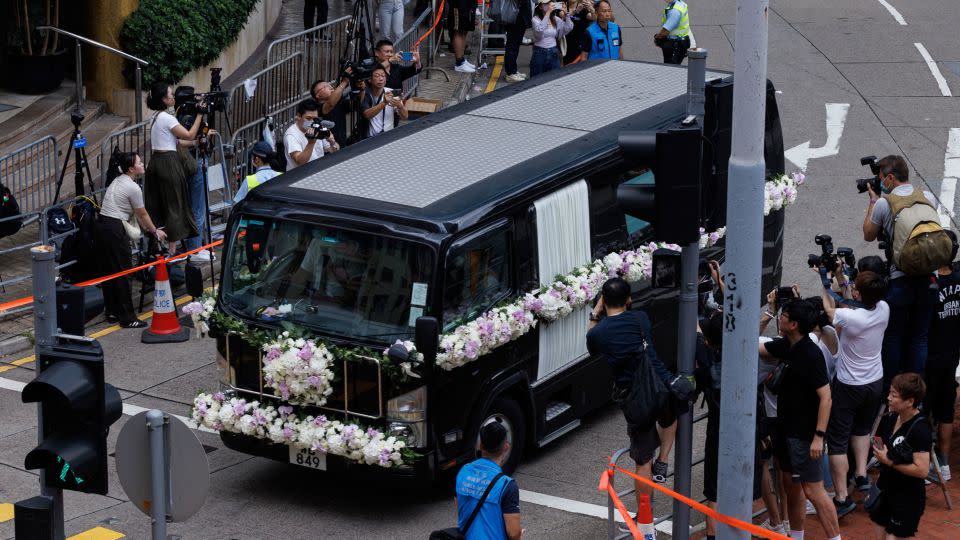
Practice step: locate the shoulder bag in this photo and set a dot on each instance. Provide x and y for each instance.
(455, 533)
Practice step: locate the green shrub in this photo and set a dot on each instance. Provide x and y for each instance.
(178, 36)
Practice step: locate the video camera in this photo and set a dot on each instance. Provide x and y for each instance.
(874, 182)
(319, 129)
(357, 72)
(188, 102)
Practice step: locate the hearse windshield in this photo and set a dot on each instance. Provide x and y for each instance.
(337, 281)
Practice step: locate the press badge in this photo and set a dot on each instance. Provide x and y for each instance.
(616, 42)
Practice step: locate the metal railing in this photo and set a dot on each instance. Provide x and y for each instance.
(138, 77)
(406, 42)
(321, 47)
(135, 138)
(279, 84)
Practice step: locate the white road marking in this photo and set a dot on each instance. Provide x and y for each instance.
(801, 154)
(951, 173)
(893, 11)
(941, 82)
(128, 409)
(567, 505)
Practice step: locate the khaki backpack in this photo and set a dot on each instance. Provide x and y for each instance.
(919, 245)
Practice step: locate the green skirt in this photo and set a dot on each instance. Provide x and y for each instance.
(166, 196)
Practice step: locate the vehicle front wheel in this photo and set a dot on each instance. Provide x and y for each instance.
(508, 413)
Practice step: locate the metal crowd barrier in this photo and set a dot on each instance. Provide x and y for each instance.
(407, 42)
(135, 138)
(279, 84)
(321, 47)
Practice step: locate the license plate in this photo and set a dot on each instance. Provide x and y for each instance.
(306, 457)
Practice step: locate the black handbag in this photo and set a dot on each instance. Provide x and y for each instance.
(455, 533)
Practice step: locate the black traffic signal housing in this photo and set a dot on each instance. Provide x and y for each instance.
(78, 408)
(672, 203)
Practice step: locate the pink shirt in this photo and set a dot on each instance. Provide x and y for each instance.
(546, 35)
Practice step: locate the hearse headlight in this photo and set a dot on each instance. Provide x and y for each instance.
(407, 417)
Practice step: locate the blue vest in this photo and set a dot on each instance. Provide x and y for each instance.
(604, 44)
(472, 480)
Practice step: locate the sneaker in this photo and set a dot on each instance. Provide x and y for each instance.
(873, 463)
(465, 68)
(527, 41)
(516, 77)
(862, 483)
(844, 507)
(945, 472)
(811, 510)
(779, 529)
(203, 255)
(659, 474)
(469, 63)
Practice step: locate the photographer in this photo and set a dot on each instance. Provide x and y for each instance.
(582, 13)
(380, 108)
(617, 332)
(301, 139)
(910, 297)
(902, 446)
(333, 106)
(803, 397)
(166, 191)
(387, 57)
(857, 387)
(550, 24)
(261, 155)
(943, 358)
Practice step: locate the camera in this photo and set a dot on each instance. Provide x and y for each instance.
(827, 258)
(785, 295)
(320, 129)
(874, 181)
(359, 71)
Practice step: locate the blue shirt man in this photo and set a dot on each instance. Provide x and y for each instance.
(261, 158)
(499, 517)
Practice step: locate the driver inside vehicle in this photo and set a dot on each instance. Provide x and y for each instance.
(331, 271)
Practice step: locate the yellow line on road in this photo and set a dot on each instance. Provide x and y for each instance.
(6, 512)
(99, 333)
(495, 75)
(97, 533)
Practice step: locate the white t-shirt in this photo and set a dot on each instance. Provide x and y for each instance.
(122, 198)
(295, 140)
(861, 338)
(161, 137)
(829, 357)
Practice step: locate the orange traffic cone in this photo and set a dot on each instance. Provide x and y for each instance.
(645, 519)
(164, 327)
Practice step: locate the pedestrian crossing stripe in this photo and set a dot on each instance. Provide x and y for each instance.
(97, 533)
(6, 512)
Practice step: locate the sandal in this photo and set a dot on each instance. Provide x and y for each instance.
(136, 323)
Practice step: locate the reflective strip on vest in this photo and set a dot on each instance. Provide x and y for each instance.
(252, 181)
(683, 28)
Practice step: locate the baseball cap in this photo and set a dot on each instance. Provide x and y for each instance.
(492, 436)
(262, 149)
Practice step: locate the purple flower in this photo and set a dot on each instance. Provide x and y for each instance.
(287, 433)
(384, 457)
(284, 391)
(470, 349)
(219, 396)
(372, 433)
(306, 353)
(322, 419)
(273, 354)
(238, 408)
(314, 380)
(535, 305)
(202, 407)
(285, 410)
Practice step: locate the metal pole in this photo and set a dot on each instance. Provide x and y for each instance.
(738, 395)
(158, 480)
(138, 94)
(44, 264)
(79, 76)
(430, 38)
(687, 317)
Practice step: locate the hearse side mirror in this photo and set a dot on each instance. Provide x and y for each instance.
(427, 338)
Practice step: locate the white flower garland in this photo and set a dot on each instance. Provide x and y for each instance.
(281, 426)
(298, 370)
(200, 313)
(781, 191)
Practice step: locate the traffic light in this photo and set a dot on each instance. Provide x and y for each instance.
(672, 203)
(77, 410)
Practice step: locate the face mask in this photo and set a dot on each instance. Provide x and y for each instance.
(885, 189)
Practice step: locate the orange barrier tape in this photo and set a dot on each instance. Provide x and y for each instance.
(20, 302)
(436, 21)
(704, 509)
(605, 485)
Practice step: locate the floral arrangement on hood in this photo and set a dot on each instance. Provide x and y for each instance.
(298, 369)
(780, 191)
(280, 425)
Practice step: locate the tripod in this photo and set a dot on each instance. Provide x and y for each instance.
(79, 143)
(207, 237)
(360, 40)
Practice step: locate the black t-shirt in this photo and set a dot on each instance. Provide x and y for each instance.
(338, 115)
(619, 338)
(805, 372)
(920, 440)
(575, 37)
(398, 74)
(944, 340)
(510, 499)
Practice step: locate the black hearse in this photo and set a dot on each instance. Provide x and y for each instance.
(446, 218)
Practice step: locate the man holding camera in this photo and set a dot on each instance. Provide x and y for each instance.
(387, 57)
(803, 397)
(911, 298)
(380, 108)
(857, 388)
(300, 141)
(618, 333)
(333, 106)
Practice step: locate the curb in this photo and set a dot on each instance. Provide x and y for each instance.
(14, 345)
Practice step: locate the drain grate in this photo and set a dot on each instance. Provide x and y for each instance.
(4, 107)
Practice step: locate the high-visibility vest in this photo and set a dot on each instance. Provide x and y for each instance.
(682, 29)
(604, 44)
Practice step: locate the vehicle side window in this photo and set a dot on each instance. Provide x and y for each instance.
(477, 277)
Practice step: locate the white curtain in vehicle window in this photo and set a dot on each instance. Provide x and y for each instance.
(563, 243)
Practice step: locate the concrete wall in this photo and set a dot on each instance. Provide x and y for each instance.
(258, 25)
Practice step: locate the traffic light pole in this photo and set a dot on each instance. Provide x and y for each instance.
(44, 333)
(687, 315)
(741, 273)
(156, 426)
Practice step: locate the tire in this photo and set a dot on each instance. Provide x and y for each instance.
(507, 412)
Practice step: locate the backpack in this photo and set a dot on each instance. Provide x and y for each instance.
(10, 219)
(919, 245)
(82, 245)
(647, 395)
(278, 161)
